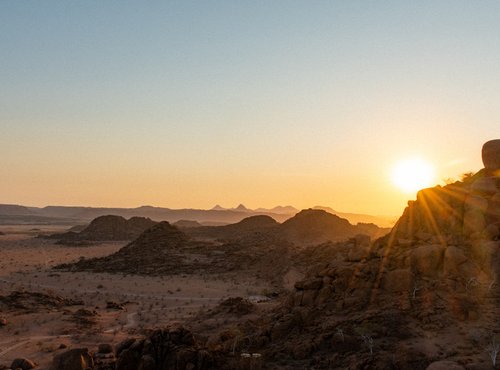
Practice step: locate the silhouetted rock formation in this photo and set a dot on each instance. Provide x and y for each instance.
(314, 226)
(243, 229)
(491, 155)
(108, 228)
(305, 228)
(242, 208)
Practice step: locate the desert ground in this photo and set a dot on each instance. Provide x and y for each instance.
(42, 328)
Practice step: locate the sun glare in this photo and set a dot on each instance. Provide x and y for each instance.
(411, 175)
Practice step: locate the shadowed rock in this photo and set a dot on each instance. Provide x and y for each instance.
(73, 359)
(108, 228)
(491, 154)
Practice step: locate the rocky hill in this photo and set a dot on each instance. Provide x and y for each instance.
(245, 228)
(307, 227)
(314, 226)
(108, 228)
(162, 249)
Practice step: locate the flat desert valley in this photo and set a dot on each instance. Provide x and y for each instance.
(43, 323)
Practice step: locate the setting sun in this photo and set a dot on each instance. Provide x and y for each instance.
(411, 175)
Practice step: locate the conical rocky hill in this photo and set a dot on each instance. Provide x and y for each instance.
(314, 226)
(247, 227)
(154, 252)
(108, 228)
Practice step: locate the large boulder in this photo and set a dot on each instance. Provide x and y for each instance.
(398, 280)
(358, 252)
(105, 348)
(427, 259)
(166, 349)
(475, 208)
(453, 258)
(485, 185)
(73, 359)
(491, 154)
(22, 363)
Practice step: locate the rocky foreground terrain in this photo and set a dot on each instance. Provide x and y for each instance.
(424, 296)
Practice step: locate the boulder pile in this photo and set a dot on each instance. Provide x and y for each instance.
(436, 275)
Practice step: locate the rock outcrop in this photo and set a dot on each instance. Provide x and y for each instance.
(491, 155)
(73, 359)
(246, 228)
(315, 226)
(108, 228)
(435, 275)
(23, 364)
(166, 349)
(25, 301)
(310, 226)
(157, 251)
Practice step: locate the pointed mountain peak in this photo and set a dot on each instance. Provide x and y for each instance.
(241, 207)
(217, 208)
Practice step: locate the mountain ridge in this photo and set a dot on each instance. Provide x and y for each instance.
(216, 215)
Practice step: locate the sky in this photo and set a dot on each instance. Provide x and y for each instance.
(186, 104)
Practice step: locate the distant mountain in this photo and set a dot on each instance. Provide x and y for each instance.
(217, 208)
(187, 224)
(354, 218)
(68, 215)
(78, 215)
(281, 210)
(242, 208)
(15, 210)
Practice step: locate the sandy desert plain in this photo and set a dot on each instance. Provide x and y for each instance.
(45, 327)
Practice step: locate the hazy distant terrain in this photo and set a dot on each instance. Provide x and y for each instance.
(17, 214)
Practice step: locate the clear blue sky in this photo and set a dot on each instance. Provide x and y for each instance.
(188, 104)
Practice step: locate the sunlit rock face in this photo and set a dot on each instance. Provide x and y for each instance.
(449, 234)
